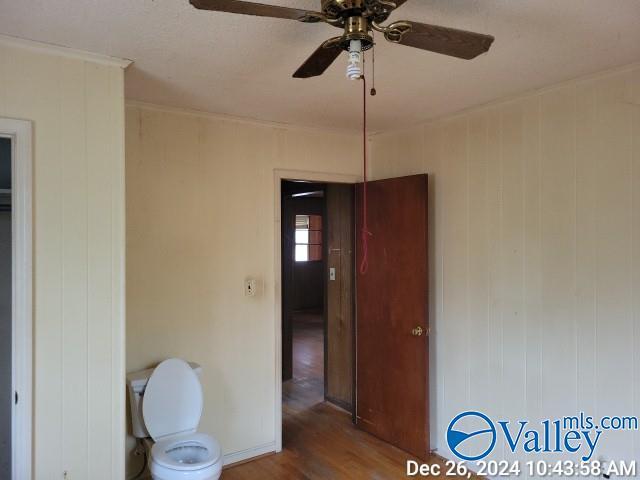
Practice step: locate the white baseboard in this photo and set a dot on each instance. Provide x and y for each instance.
(242, 455)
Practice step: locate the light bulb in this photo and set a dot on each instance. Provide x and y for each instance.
(354, 68)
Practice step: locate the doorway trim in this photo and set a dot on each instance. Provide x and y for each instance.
(20, 132)
(278, 176)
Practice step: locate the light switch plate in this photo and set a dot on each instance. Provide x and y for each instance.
(332, 274)
(250, 286)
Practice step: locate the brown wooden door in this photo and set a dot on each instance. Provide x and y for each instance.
(392, 381)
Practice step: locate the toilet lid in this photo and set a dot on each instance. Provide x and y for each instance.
(172, 401)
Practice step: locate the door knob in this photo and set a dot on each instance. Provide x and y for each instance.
(417, 332)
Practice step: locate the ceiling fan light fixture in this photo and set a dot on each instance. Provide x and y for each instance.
(354, 67)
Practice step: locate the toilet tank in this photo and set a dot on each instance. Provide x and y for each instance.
(136, 383)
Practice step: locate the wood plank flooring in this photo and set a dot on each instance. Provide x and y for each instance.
(319, 440)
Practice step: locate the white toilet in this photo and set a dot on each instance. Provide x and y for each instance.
(166, 405)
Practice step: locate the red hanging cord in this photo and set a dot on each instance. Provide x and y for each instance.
(364, 233)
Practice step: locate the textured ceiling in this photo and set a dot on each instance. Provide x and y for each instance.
(240, 65)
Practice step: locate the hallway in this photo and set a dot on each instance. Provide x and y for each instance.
(306, 388)
(320, 441)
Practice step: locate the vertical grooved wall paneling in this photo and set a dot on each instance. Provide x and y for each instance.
(77, 109)
(537, 254)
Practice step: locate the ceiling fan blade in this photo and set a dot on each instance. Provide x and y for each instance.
(447, 41)
(320, 60)
(259, 9)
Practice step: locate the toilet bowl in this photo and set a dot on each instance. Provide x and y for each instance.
(171, 410)
(193, 456)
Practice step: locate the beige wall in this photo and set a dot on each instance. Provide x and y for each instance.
(535, 241)
(200, 218)
(77, 110)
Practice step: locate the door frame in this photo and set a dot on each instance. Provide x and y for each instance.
(20, 132)
(278, 176)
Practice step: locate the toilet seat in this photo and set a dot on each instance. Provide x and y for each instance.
(171, 409)
(192, 451)
(172, 401)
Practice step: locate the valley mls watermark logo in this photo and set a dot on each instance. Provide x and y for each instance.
(473, 435)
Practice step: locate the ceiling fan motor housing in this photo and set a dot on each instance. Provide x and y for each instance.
(337, 8)
(356, 18)
(357, 28)
(375, 10)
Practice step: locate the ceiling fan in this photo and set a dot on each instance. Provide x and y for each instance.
(358, 18)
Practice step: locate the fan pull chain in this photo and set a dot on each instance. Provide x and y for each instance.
(364, 233)
(373, 66)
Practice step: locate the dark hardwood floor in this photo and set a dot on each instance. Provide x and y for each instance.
(319, 440)
(306, 388)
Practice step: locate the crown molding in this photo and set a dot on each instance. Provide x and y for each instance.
(600, 74)
(61, 51)
(236, 119)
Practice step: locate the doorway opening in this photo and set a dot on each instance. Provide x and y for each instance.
(6, 327)
(15, 299)
(317, 295)
(303, 294)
